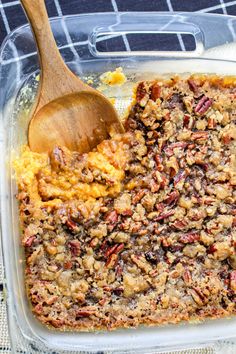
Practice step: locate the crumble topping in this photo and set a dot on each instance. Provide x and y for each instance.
(143, 229)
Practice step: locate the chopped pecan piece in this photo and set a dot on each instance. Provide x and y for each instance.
(188, 121)
(233, 281)
(172, 198)
(180, 224)
(29, 241)
(211, 123)
(164, 215)
(200, 135)
(110, 250)
(58, 158)
(159, 161)
(212, 249)
(85, 313)
(112, 260)
(112, 219)
(68, 265)
(71, 225)
(138, 196)
(155, 91)
(169, 150)
(114, 249)
(141, 93)
(190, 237)
(74, 246)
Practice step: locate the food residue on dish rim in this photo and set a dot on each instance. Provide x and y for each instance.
(114, 78)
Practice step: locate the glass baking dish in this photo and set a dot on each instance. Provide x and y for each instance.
(79, 38)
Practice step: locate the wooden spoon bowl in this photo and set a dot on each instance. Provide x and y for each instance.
(67, 112)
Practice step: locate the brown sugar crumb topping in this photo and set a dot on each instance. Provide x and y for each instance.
(143, 229)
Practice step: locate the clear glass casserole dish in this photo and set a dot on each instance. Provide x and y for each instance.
(79, 38)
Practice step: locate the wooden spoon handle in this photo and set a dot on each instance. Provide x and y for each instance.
(53, 68)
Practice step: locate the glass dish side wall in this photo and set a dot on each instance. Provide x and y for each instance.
(18, 65)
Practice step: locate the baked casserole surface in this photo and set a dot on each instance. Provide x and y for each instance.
(142, 230)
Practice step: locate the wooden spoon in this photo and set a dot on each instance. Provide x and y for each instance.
(67, 112)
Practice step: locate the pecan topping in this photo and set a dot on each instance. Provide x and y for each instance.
(144, 221)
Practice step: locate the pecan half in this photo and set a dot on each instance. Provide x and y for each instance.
(187, 277)
(203, 105)
(198, 296)
(193, 86)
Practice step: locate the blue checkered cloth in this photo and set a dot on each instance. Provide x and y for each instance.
(12, 15)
